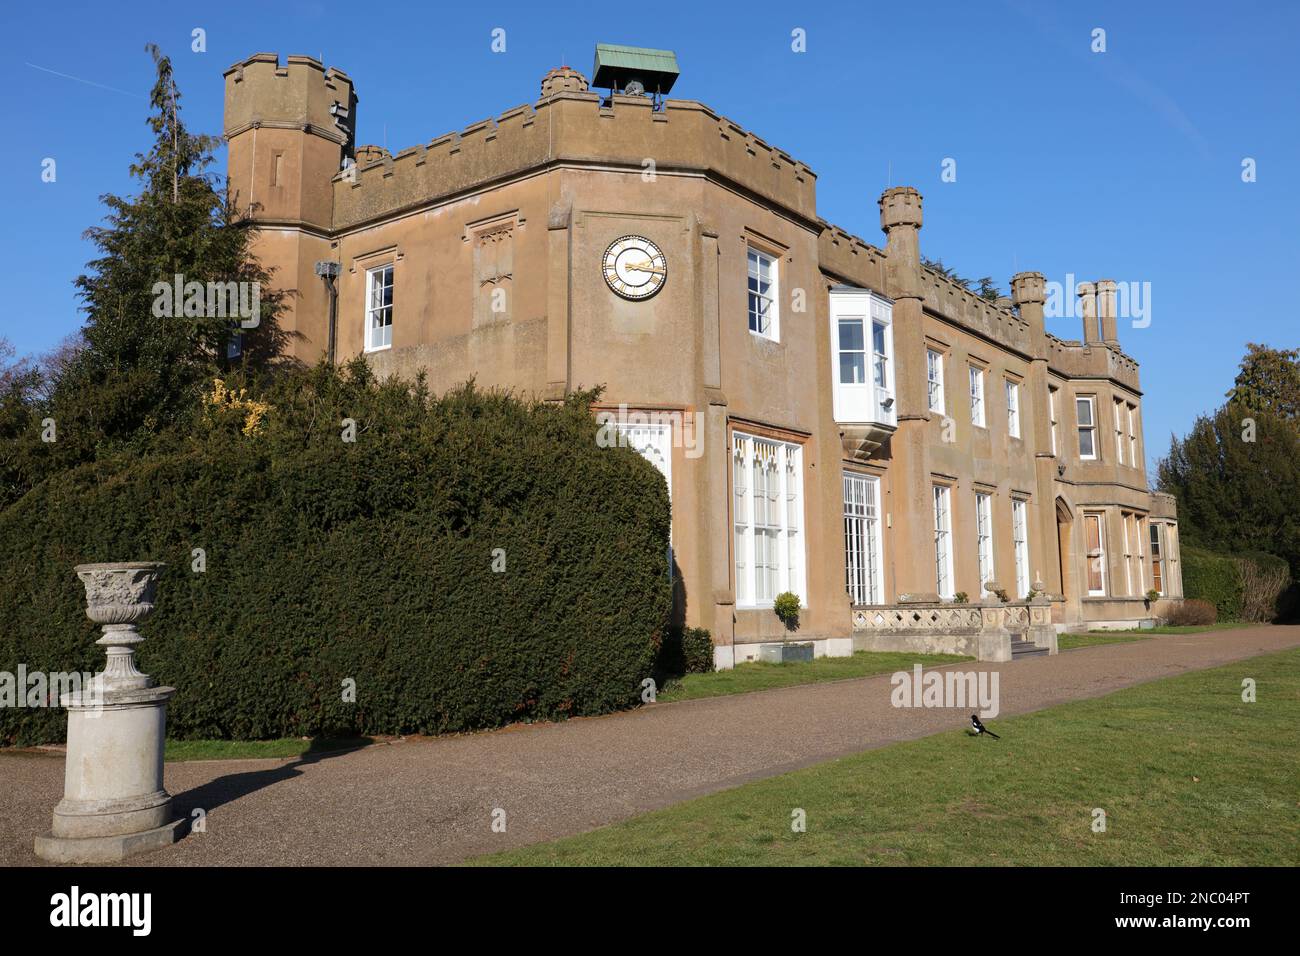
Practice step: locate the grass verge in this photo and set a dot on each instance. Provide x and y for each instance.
(178, 750)
(1093, 638)
(744, 678)
(1187, 773)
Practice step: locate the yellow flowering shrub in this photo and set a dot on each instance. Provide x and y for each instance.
(227, 402)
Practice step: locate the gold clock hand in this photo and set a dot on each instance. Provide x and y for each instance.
(646, 266)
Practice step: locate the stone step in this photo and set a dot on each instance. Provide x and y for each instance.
(1027, 649)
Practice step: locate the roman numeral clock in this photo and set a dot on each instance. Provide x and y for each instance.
(634, 267)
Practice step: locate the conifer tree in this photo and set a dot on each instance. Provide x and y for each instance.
(140, 373)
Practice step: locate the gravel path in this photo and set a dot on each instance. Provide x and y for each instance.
(431, 801)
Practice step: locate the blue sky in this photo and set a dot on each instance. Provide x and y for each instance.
(1125, 164)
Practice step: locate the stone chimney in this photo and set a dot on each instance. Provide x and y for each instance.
(1106, 311)
(563, 79)
(1088, 309)
(900, 220)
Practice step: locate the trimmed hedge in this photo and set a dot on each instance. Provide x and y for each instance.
(1253, 586)
(1213, 578)
(686, 650)
(370, 561)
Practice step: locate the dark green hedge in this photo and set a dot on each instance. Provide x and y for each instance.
(1213, 578)
(371, 561)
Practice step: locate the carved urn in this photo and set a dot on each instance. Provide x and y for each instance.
(119, 596)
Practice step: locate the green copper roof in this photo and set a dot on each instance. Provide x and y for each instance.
(616, 65)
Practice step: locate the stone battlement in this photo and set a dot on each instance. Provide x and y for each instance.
(574, 127)
(958, 304)
(1083, 360)
(855, 260)
(301, 94)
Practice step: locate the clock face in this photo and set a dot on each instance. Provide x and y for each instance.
(634, 267)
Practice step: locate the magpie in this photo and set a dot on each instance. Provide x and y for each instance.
(981, 729)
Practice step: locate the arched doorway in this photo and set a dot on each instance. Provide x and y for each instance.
(1064, 540)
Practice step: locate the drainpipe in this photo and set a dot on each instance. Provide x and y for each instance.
(328, 271)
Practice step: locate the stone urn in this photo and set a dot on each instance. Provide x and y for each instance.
(119, 596)
(114, 804)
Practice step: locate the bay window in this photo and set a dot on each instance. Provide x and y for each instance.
(862, 346)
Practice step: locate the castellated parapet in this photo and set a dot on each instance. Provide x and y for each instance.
(302, 94)
(574, 127)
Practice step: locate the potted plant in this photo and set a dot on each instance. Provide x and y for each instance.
(786, 607)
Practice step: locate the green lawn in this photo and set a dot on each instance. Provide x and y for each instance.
(1187, 773)
(1067, 642)
(243, 749)
(1197, 628)
(1092, 638)
(757, 676)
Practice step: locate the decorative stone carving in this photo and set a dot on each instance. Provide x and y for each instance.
(118, 596)
(114, 804)
(860, 441)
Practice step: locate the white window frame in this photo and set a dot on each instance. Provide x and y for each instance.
(776, 467)
(1090, 428)
(1159, 565)
(754, 259)
(1133, 457)
(1020, 544)
(1099, 556)
(934, 381)
(1117, 404)
(943, 542)
(977, 416)
(1013, 407)
(882, 361)
(863, 542)
(871, 400)
(374, 310)
(1052, 391)
(984, 539)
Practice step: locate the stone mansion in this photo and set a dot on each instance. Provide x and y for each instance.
(923, 467)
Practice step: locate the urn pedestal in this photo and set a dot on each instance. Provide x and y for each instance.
(114, 804)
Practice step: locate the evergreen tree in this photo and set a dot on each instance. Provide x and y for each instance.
(1236, 476)
(1269, 380)
(139, 373)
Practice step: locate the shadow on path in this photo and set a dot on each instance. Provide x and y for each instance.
(231, 787)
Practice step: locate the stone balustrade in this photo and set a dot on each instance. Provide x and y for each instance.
(983, 631)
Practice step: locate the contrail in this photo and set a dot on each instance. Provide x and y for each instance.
(68, 76)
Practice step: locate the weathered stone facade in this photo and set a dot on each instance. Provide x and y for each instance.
(496, 237)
